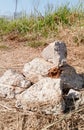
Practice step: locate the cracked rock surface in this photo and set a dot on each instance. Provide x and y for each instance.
(56, 53)
(45, 95)
(12, 83)
(36, 69)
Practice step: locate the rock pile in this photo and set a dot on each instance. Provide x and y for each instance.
(46, 84)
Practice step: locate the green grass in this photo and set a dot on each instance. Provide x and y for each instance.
(48, 22)
(4, 47)
(46, 25)
(35, 44)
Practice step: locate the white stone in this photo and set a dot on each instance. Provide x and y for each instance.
(77, 97)
(73, 94)
(6, 91)
(36, 69)
(12, 83)
(56, 53)
(11, 77)
(48, 52)
(45, 95)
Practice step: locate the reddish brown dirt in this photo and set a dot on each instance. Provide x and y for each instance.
(54, 72)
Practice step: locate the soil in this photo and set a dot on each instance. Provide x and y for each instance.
(15, 56)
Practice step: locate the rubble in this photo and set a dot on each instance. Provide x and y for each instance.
(12, 83)
(45, 95)
(56, 53)
(74, 99)
(36, 69)
(47, 85)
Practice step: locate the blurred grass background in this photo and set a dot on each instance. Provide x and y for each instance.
(36, 28)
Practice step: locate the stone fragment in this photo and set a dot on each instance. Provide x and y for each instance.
(11, 77)
(48, 52)
(68, 76)
(12, 83)
(36, 69)
(56, 53)
(74, 99)
(45, 95)
(70, 79)
(60, 54)
(6, 91)
(73, 94)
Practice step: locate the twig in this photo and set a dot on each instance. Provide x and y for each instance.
(65, 116)
(5, 107)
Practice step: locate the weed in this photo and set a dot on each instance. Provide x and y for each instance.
(47, 25)
(35, 44)
(3, 47)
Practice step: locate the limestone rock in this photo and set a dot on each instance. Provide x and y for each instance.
(6, 91)
(36, 69)
(70, 78)
(56, 53)
(60, 54)
(45, 95)
(48, 52)
(73, 94)
(75, 98)
(11, 77)
(12, 83)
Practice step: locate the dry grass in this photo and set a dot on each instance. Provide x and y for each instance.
(63, 24)
(17, 119)
(34, 29)
(71, 121)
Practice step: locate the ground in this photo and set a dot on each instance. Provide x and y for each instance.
(14, 56)
(17, 54)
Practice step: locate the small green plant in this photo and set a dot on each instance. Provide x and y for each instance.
(63, 14)
(75, 38)
(4, 47)
(35, 44)
(3, 26)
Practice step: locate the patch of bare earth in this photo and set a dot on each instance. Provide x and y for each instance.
(15, 56)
